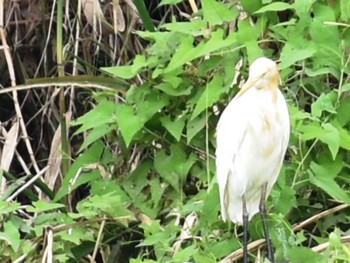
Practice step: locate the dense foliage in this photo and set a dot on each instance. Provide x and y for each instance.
(142, 187)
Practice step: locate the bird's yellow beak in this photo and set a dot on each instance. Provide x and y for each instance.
(272, 83)
(246, 86)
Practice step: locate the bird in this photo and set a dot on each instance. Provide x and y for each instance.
(252, 137)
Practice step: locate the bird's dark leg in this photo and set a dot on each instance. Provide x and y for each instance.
(262, 209)
(245, 231)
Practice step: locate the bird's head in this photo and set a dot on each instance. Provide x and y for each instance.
(263, 73)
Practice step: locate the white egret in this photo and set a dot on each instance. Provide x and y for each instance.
(252, 138)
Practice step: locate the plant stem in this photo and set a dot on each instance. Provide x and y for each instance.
(60, 68)
(144, 15)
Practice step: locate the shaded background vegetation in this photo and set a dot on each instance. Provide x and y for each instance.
(139, 87)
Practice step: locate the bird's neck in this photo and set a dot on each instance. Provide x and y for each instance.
(274, 91)
(271, 86)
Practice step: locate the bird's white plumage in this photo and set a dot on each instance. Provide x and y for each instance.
(252, 138)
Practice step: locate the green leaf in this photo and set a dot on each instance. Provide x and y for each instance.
(325, 102)
(331, 137)
(334, 167)
(304, 254)
(157, 236)
(327, 38)
(96, 134)
(157, 190)
(103, 113)
(174, 81)
(250, 6)
(41, 206)
(326, 132)
(228, 63)
(186, 52)
(311, 131)
(101, 187)
(137, 180)
(90, 156)
(248, 32)
(10, 234)
(204, 258)
(345, 10)
(213, 62)
(128, 72)
(152, 104)
(138, 260)
(343, 115)
(6, 207)
(169, 2)
(169, 89)
(210, 95)
(322, 71)
(345, 87)
(163, 47)
(298, 114)
(52, 218)
(109, 204)
(285, 200)
(226, 246)
(174, 168)
(323, 180)
(211, 206)
(344, 138)
(175, 86)
(302, 7)
(76, 235)
(130, 121)
(194, 28)
(291, 54)
(276, 6)
(253, 50)
(195, 126)
(175, 127)
(344, 135)
(215, 13)
(184, 255)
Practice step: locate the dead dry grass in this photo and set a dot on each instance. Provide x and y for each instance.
(95, 35)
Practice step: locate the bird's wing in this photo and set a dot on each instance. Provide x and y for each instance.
(230, 133)
(285, 123)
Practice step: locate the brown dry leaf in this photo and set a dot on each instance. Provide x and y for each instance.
(131, 4)
(91, 8)
(190, 222)
(322, 247)
(96, 18)
(54, 160)
(11, 139)
(140, 216)
(237, 73)
(119, 22)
